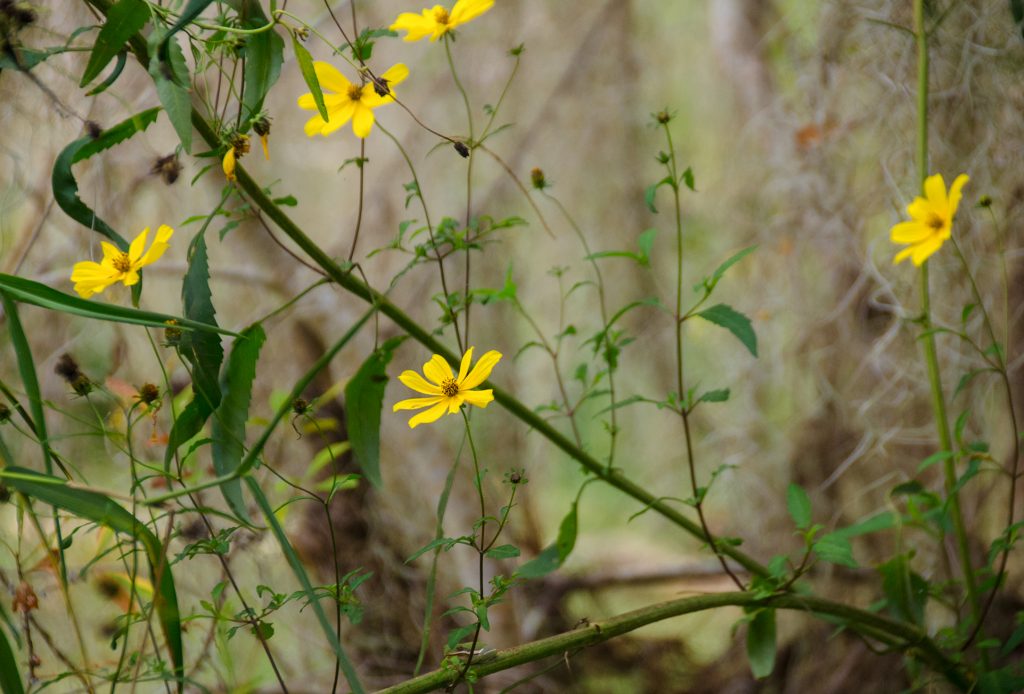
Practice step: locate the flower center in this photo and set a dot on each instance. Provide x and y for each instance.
(935, 222)
(450, 387)
(355, 92)
(122, 263)
(441, 16)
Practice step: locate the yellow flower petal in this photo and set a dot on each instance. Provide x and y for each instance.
(228, 164)
(431, 415)
(315, 126)
(129, 278)
(362, 120)
(339, 117)
(137, 245)
(935, 191)
(481, 371)
(437, 369)
(902, 255)
(163, 235)
(466, 10)
(909, 232)
(920, 252)
(110, 251)
(395, 74)
(417, 25)
(91, 278)
(416, 403)
(413, 380)
(479, 398)
(330, 77)
(955, 193)
(467, 359)
(266, 147)
(455, 403)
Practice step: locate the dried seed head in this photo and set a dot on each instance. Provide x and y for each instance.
(168, 168)
(67, 368)
(148, 394)
(538, 180)
(462, 149)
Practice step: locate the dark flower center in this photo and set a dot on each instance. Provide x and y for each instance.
(355, 92)
(441, 16)
(122, 263)
(935, 222)
(450, 387)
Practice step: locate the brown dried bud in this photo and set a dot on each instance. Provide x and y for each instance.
(663, 117)
(148, 394)
(462, 149)
(262, 126)
(67, 368)
(25, 598)
(81, 385)
(380, 85)
(94, 129)
(172, 334)
(300, 406)
(538, 180)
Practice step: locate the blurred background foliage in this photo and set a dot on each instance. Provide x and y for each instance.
(797, 119)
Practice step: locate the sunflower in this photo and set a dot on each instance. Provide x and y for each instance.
(931, 220)
(445, 392)
(118, 266)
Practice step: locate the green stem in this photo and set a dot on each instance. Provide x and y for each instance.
(902, 635)
(930, 355)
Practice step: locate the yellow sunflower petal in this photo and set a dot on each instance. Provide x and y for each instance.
(362, 120)
(455, 403)
(920, 209)
(137, 245)
(330, 77)
(909, 232)
(228, 164)
(416, 403)
(481, 371)
(479, 398)
(467, 359)
(91, 278)
(466, 10)
(395, 74)
(163, 234)
(339, 117)
(903, 255)
(935, 191)
(413, 380)
(431, 415)
(314, 126)
(437, 369)
(110, 251)
(956, 192)
(129, 278)
(417, 25)
(920, 252)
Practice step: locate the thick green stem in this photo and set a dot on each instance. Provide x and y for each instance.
(902, 636)
(930, 355)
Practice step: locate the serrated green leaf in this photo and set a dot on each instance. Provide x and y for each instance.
(100, 509)
(364, 397)
(761, 643)
(65, 188)
(124, 19)
(191, 11)
(906, 592)
(735, 322)
(122, 60)
(228, 430)
(309, 75)
(799, 505)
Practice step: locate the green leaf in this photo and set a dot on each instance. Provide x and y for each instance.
(735, 322)
(541, 565)
(65, 188)
(10, 682)
(264, 53)
(799, 505)
(503, 552)
(835, 549)
(191, 11)
(652, 190)
(124, 19)
(761, 643)
(567, 531)
(646, 243)
(309, 74)
(100, 509)
(720, 395)
(122, 60)
(906, 592)
(172, 80)
(364, 397)
(29, 292)
(732, 260)
(874, 524)
(228, 430)
(687, 179)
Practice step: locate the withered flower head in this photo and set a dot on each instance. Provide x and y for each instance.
(168, 168)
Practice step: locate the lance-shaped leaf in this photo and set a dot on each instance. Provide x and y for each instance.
(65, 188)
(309, 74)
(364, 397)
(123, 20)
(761, 643)
(10, 681)
(230, 417)
(169, 71)
(733, 321)
(264, 53)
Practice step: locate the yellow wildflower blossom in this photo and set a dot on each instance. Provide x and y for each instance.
(446, 392)
(238, 149)
(436, 21)
(349, 101)
(931, 220)
(118, 266)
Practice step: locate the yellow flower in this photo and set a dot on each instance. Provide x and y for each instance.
(437, 21)
(238, 149)
(931, 220)
(117, 266)
(349, 101)
(446, 392)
